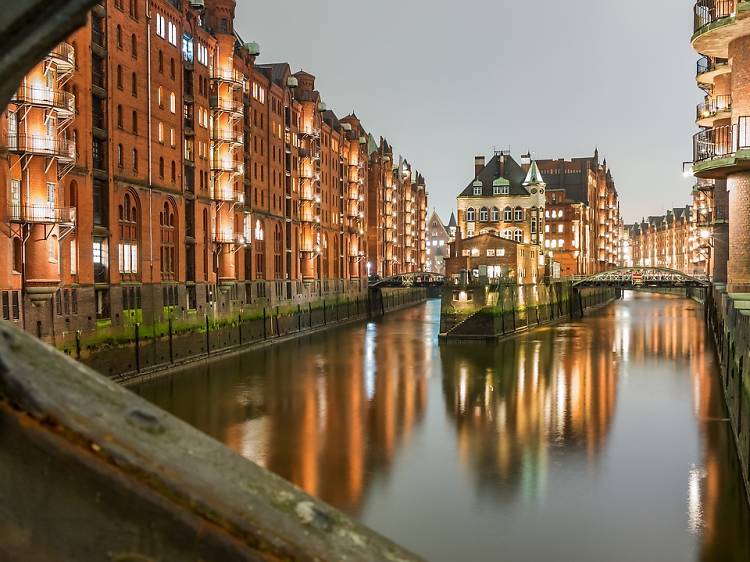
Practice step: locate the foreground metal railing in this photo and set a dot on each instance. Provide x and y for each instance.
(120, 479)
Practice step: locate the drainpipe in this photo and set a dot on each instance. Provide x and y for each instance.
(150, 155)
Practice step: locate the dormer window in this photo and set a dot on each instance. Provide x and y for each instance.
(477, 187)
(500, 186)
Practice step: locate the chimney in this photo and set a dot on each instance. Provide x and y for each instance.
(478, 165)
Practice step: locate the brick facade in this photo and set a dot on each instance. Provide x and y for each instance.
(153, 168)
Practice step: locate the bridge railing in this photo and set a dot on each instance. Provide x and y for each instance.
(142, 484)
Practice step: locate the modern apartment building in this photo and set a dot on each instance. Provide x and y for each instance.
(153, 168)
(721, 149)
(583, 214)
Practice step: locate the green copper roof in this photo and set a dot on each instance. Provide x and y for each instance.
(534, 177)
(500, 182)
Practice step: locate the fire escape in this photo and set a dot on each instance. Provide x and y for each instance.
(37, 130)
(310, 192)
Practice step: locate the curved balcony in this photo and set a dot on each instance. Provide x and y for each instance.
(708, 68)
(720, 151)
(41, 214)
(63, 55)
(713, 109)
(227, 166)
(60, 148)
(717, 23)
(228, 76)
(226, 105)
(229, 195)
(229, 238)
(227, 136)
(63, 102)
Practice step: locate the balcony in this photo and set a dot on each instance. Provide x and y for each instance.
(41, 214)
(59, 100)
(227, 136)
(720, 151)
(229, 238)
(713, 109)
(60, 148)
(228, 76)
(63, 55)
(227, 166)
(717, 23)
(226, 105)
(230, 195)
(708, 68)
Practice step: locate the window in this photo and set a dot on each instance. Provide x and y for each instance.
(119, 77)
(159, 98)
(134, 46)
(119, 156)
(202, 54)
(134, 86)
(119, 117)
(135, 160)
(128, 226)
(518, 236)
(172, 29)
(168, 252)
(495, 214)
(560, 228)
(161, 168)
(507, 234)
(118, 37)
(52, 249)
(477, 188)
(172, 68)
(470, 214)
(484, 214)
(135, 122)
(475, 252)
(172, 140)
(51, 195)
(160, 132)
(17, 254)
(490, 253)
(161, 29)
(173, 103)
(73, 257)
(507, 214)
(518, 215)
(187, 47)
(174, 171)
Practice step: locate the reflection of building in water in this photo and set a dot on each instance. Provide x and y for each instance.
(327, 421)
(515, 401)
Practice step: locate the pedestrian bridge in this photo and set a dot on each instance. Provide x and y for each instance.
(419, 279)
(637, 277)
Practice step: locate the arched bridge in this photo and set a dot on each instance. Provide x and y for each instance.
(635, 277)
(420, 279)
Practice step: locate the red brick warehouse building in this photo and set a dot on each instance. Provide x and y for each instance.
(153, 168)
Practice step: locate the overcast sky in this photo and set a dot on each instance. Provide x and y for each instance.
(444, 81)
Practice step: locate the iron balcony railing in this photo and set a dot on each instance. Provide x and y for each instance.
(709, 64)
(232, 195)
(229, 238)
(229, 105)
(713, 106)
(228, 75)
(63, 53)
(707, 12)
(227, 135)
(45, 97)
(718, 142)
(42, 214)
(229, 166)
(42, 145)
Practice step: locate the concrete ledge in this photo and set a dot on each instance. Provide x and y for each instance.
(89, 471)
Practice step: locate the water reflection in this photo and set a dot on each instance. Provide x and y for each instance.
(600, 440)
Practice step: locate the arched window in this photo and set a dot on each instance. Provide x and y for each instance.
(128, 231)
(168, 230)
(134, 86)
(119, 117)
(134, 46)
(118, 37)
(518, 235)
(161, 168)
(119, 156)
(72, 194)
(495, 214)
(174, 171)
(172, 68)
(518, 215)
(119, 76)
(172, 102)
(161, 61)
(135, 160)
(471, 214)
(507, 214)
(508, 234)
(484, 214)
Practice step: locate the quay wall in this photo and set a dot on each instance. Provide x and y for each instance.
(487, 312)
(728, 318)
(144, 351)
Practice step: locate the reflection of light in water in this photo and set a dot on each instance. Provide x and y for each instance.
(535, 365)
(370, 363)
(695, 504)
(463, 376)
(320, 390)
(696, 396)
(521, 372)
(561, 396)
(252, 439)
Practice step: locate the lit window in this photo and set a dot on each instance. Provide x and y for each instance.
(490, 253)
(160, 26)
(172, 103)
(475, 252)
(560, 228)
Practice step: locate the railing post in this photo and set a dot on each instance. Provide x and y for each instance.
(208, 336)
(171, 347)
(137, 348)
(78, 345)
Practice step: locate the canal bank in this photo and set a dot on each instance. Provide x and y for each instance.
(728, 317)
(147, 352)
(600, 439)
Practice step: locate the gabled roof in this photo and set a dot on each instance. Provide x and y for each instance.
(501, 166)
(452, 222)
(436, 218)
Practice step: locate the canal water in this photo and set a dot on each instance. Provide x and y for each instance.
(602, 440)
